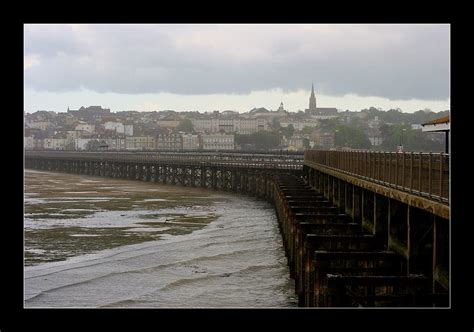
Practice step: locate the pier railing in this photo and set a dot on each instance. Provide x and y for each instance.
(244, 160)
(423, 174)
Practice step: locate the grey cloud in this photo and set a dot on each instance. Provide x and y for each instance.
(49, 40)
(395, 61)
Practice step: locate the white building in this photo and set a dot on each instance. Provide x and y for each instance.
(294, 142)
(217, 142)
(54, 143)
(128, 129)
(169, 142)
(190, 142)
(115, 143)
(323, 139)
(80, 143)
(226, 125)
(85, 127)
(140, 143)
(250, 126)
(43, 125)
(206, 125)
(118, 127)
(298, 124)
(29, 142)
(374, 123)
(375, 140)
(240, 125)
(324, 117)
(38, 144)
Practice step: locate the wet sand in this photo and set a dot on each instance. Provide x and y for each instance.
(68, 215)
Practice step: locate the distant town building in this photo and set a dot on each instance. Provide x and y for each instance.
(171, 121)
(230, 114)
(73, 134)
(40, 116)
(319, 111)
(375, 140)
(225, 125)
(43, 125)
(128, 129)
(281, 108)
(85, 127)
(312, 101)
(249, 126)
(374, 123)
(29, 142)
(298, 124)
(169, 142)
(38, 144)
(54, 143)
(140, 143)
(81, 143)
(117, 143)
(209, 125)
(65, 118)
(263, 113)
(323, 139)
(190, 141)
(294, 143)
(34, 132)
(90, 113)
(236, 125)
(217, 142)
(375, 137)
(118, 127)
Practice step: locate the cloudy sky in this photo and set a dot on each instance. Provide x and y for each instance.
(236, 67)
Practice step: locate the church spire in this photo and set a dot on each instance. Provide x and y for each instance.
(312, 101)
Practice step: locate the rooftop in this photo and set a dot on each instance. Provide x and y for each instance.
(439, 124)
(444, 119)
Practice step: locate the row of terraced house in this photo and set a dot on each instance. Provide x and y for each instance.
(132, 130)
(179, 141)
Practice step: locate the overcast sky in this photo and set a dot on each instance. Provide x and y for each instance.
(236, 67)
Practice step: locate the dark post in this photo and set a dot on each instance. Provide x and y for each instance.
(440, 176)
(389, 167)
(396, 169)
(446, 148)
(411, 171)
(430, 165)
(403, 169)
(419, 172)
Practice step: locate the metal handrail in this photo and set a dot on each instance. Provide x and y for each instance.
(428, 172)
(266, 161)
